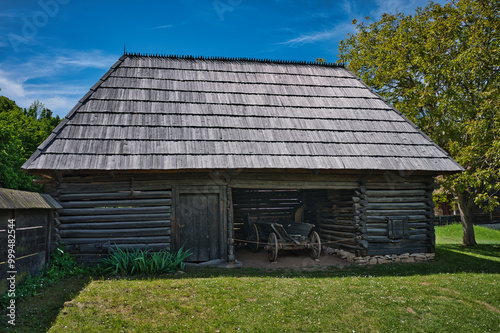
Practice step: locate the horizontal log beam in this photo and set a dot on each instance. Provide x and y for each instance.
(391, 185)
(343, 235)
(338, 227)
(395, 205)
(378, 239)
(376, 231)
(337, 221)
(123, 203)
(397, 199)
(113, 211)
(116, 195)
(411, 218)
(395, 212)
(251, 184)
(106, 248)
(109, 233)
(115, 218)
(419, 237)
(385, 239)
(416, 225)
(115, 225)
(112, 186)
(395, 193)
(338, 240)
(117, 240)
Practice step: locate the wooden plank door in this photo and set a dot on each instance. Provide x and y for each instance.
(200, 219)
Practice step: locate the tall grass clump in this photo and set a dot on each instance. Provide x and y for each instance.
(135, 261)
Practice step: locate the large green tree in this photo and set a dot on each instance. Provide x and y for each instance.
(21, 132)
(440, 67)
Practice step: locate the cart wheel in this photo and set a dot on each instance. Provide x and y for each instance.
(253, 236)
(315, 249)
(272, 247)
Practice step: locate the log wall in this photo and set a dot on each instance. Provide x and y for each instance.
(99, 212)
(336, 216)
(398, 215)
(360, 214)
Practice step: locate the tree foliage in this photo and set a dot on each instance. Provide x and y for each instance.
(440, 67)
(21, 132)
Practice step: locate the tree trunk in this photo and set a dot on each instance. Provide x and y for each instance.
(466, 204)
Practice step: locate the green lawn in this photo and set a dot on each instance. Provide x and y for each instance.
(452, 234)
(458, 292)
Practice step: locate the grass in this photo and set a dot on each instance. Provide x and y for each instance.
(458, 292)
(452, 234)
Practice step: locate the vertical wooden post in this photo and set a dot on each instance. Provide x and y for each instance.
(48, 235)
(431, 236)
(360, 214)
(174, 234)
(230, 225)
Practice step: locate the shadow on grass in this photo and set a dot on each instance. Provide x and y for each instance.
(449, 259)
(38, 313)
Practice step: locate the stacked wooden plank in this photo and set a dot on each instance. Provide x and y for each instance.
(408, 201)
(337, 218)
(98, 213)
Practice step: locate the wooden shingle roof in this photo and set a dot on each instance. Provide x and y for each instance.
(15, 199)
(173, 113)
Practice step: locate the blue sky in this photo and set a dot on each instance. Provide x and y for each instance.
(55, 50)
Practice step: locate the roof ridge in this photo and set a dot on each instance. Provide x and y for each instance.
(241, 59)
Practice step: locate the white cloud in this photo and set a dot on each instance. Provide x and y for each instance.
(352, 10)
(346, 7)
(86, 61)
(81, 59)
(340, 30)
(58, 97)
(401, 6)
(163, 27)
(61, 103)
(11, 86)
(45, 77)
(55, 89)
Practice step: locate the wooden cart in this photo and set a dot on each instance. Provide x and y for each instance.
(282, 235)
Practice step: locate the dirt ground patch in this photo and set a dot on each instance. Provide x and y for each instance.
(286, 259)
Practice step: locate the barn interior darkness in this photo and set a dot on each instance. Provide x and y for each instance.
(331, 211)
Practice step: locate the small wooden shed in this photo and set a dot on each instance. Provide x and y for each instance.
(166, 151)
(27, 218)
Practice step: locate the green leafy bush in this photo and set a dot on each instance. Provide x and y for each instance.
(134, 261)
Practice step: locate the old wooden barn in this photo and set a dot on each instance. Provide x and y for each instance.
(26, 220)
(166, 151)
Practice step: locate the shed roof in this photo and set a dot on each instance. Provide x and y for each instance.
(181, 113)
(15, 199)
